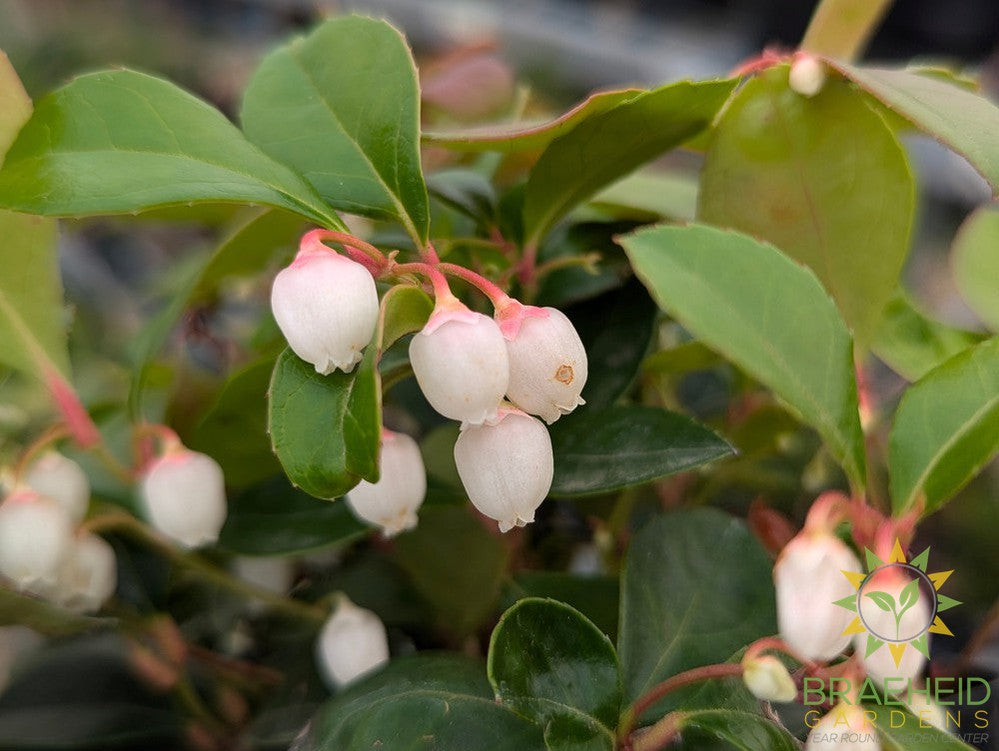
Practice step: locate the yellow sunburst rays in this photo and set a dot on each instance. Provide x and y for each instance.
(921, 642)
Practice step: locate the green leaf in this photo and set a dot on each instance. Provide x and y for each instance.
(43, 617)
(696, 589)
(544, 649)
(341, 106)
(273, 518)
(443, 700)
(823, 179)
(565, 728)
(975, 260)
(883, 600)
(964, 121)
(405, 309)
(596, 597)
(15, 105)
(743, 730)
(120, 141)
(601, 450)
(461, 596)
(650, 194)
(522, 136)
(908, 597)
(946, 429)
(900, 730)
(466, 191)
(768, 315)
(325, 430)
(608, 146)
(912, 344)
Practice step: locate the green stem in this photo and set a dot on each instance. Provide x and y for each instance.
(842, 28)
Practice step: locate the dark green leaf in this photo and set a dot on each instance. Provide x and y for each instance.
(696, 589)
(946, 429)
(275, 519)
(883, 600)
(743, 730)
(596, 597)
(601, 450)
(325, 430)
(976, 263)
(341, 106)
(121, 141)
(565, 728)
(900, 730)
(823, 179)
(466, 191)
(571, 284)
(544, 649)
(768, 315)
(608, 146)
(964, 121)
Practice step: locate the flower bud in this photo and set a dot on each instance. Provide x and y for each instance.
(879, 617)
(89, 575)
(61, 479)
(506, 467)
(767, 679)
(326, 305)
(391, 503)
(844, 728)
(35, 538)
(807, 76)
(548, 366)
(184, 497)
(809, 580)
(461, 364)
(352, 643)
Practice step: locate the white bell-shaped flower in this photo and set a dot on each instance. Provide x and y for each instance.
(807, 76)
(767, 679)
(61, 479)
(327, 307)
(548, 366)
(392, 502)
(460, 361)
(352, 644)
(89, 575)
(183, 493)
(36, 534)
(809, 580)
(894, 594)
(506, 467)
(844, 728)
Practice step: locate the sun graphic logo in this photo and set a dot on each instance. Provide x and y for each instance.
(897, 603)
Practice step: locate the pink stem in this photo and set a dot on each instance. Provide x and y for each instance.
(78, 422)
(363, 252)
(497, 296)
(442, 290)
(429, 254)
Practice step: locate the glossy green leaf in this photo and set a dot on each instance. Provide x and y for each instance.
(461, 596)
(650, 194)
(768, 315)
(823, 179)
(601, 450)
(565, 728)
(445, 700)
(964, 121)
(596, 597)
(572, 284)
(544, 649)
(44, 617)
(912, 344)
(946, 429)
(273, 518)
(616, 329)
(900, 730)
(696, 589)
(121, 141)
(975, 260)
(341, 106)
(742, 730)
(608, 146)
(521, 136)
(405, 309)
(325, 430)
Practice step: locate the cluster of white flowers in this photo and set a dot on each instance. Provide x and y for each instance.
(496, 376)
(43, 550)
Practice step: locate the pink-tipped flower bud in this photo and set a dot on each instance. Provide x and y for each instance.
(89, 575)
(352, 644)
(894, 611)
(809, 580)
(327, 307)
(184, 497)
(392, 502)
(506, 467)
(461, 364)
(35, 537)
(767, 679)
(807, 76)
(548, 366)
(844, 728)
(61, 479)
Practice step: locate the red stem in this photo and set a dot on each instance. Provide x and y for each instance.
(442, 290)
(496, 295)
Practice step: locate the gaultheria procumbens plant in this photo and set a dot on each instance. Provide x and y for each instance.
(619, 469)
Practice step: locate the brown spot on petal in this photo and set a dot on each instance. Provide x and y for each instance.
(564, 374)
